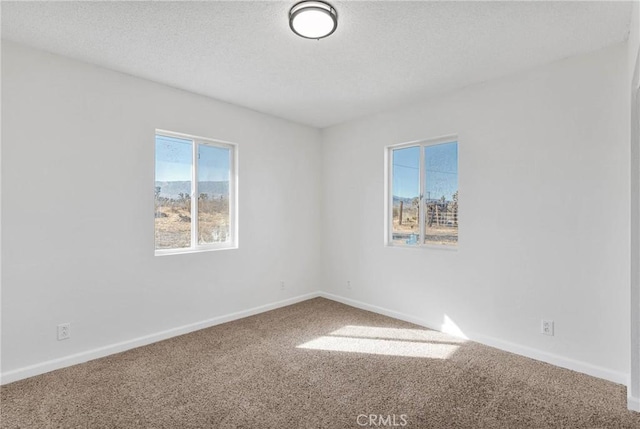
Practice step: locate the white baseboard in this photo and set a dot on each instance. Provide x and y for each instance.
(65, 361)
(633, 403)
(561, 361)
(74, 359)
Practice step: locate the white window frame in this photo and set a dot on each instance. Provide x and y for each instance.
(388, 192)
(233, 194)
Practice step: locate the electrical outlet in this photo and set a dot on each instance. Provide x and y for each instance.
(282, 285)
(547, 327)
(349, 284)
(64, 331)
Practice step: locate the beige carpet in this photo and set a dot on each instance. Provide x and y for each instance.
(317, 364)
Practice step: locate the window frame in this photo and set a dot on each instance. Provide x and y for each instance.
(388, 192)
(196, 141)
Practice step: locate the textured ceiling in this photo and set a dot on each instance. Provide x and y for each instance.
(384, 54)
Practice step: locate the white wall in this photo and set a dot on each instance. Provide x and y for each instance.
(77, 244)
(633, 47)
(544, 212)
(77, 201)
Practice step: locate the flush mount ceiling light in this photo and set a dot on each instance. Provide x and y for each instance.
(313, 19)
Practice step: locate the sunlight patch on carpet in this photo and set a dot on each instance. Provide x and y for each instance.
(418, 349)
(406, 334)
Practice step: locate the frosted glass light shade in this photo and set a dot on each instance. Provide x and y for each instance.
(313, 19)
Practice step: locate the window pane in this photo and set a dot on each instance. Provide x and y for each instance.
(441, 193)
(213, 194)
(406, 195)
(173, 192)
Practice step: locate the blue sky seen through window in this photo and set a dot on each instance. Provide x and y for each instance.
(441, 168)
(441, 171)
(406, 172)
(174, 158)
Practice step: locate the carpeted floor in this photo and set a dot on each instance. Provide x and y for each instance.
(317, 364)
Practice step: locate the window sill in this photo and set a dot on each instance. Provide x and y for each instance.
(167, 252)
(423, 246)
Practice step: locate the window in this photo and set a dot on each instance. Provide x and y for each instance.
(195, 194)
(423, 193)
